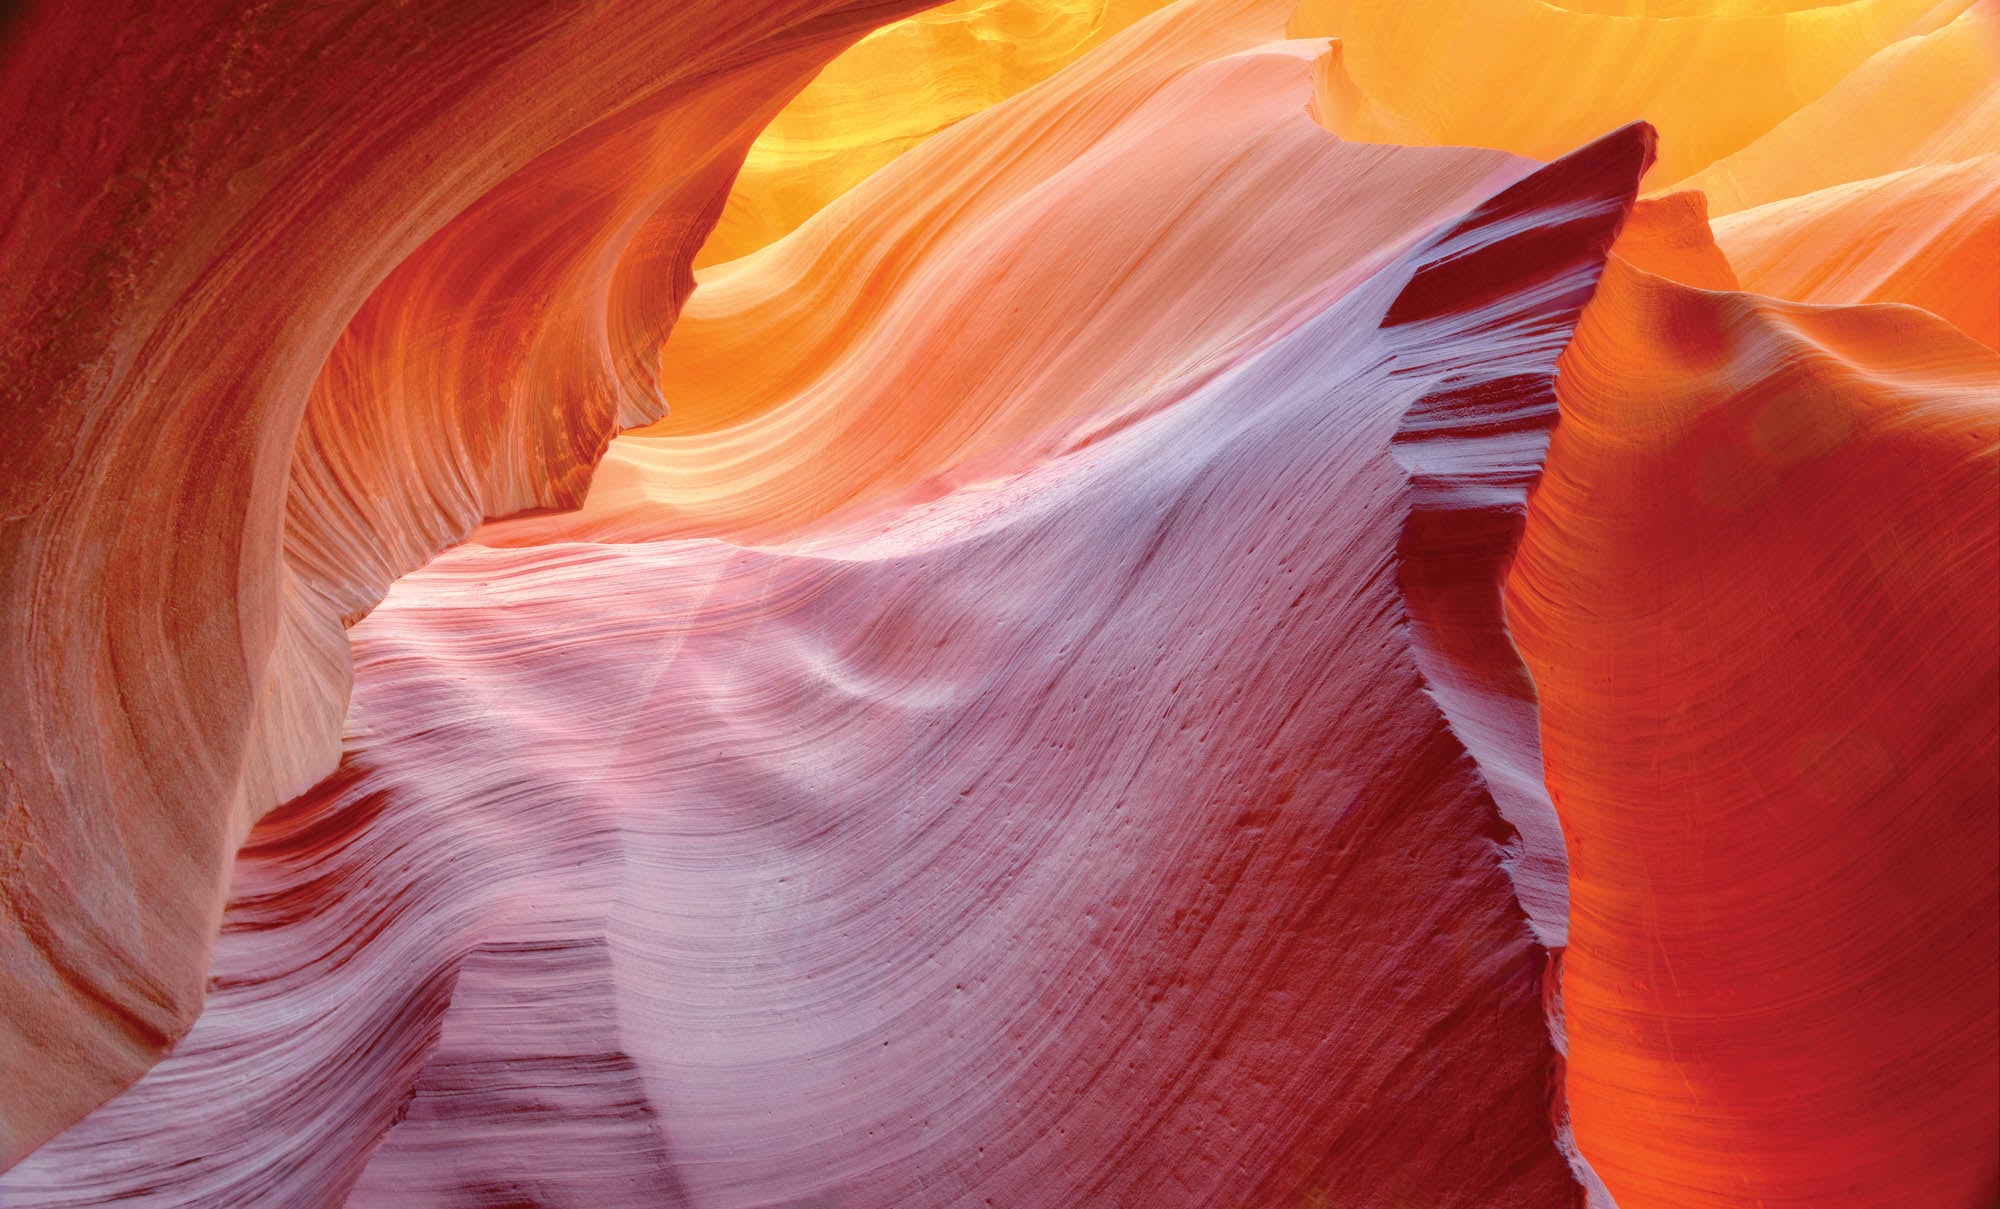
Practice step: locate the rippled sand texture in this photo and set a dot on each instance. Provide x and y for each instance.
(1228, 603)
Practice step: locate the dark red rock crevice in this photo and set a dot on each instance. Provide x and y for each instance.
(1473, 446)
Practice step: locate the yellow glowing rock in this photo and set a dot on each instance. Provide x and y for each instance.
(1929, 237)
(1539, 78)
(894, 89)
(1945, 86)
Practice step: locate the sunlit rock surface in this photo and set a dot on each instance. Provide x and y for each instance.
(197, 203)
(1928, 237)
(1193, 631)
(1712, 75)
(966, 314)
(894, 89)
(973, 854)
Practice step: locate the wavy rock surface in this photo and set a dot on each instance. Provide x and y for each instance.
(198, 202)
(895, 88)
(1928, 237)
(980, 305)
(1054, 715)
(1712, 75)
(1081, 834)
(1785, 878)
(1932, 97)
(1783, 986)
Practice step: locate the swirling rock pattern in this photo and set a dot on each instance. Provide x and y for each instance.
(1140, 235)
(199, 202)
(960, 856)
(1188, 638)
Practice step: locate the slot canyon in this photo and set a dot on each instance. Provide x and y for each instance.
(1047, 604)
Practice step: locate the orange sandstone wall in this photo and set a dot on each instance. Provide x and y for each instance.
(1760, 595)
(1759, 587)
(198, 201)
(1172, 622)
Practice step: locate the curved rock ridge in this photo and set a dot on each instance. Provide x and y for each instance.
(1081, 835)
(908, 339)
(198, 201)
(1750, 1021)
(1712, 75)
(1927, 236)
(1473, 445)
(1783, 979)
(1930, 98)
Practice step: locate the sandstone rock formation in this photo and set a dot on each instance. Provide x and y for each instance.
(1236, 602)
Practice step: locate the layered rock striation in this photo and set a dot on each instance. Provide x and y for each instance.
(1184, 626)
